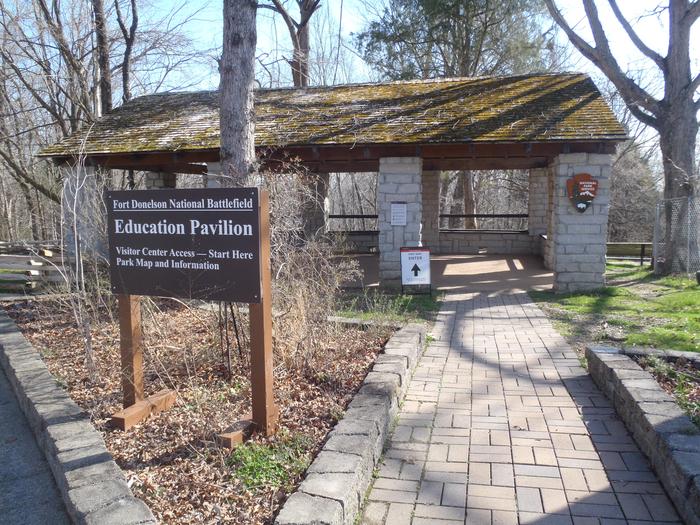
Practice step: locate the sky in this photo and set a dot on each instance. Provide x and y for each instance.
(206, 29)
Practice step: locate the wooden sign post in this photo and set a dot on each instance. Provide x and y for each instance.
(265, 414)
(136, 406)
(211, 244)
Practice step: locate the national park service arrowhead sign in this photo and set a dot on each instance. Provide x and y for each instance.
(582, 189)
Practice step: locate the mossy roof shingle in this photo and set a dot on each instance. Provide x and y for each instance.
(526, 108)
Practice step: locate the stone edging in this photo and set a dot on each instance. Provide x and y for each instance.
(661, 429)
(337, 480)
(93, 487)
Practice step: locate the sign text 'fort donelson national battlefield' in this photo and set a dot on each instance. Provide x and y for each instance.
(185, 243)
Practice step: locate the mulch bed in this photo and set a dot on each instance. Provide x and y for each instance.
(172, 461)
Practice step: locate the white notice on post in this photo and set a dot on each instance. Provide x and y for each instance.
(415, 266)
(398, 214)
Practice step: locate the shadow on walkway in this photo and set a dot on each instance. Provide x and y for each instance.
(501, 424)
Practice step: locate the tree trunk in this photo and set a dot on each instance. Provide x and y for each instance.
(469, 200)
(674, 116)
(105, 78)
(31, 209)
(237, 80)
(299, 35)
(457, 205)
(677, 142)
(8, 213)
(129, 39)
(300, 62)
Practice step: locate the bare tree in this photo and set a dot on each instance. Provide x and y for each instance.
(129, 40)
(633, 197)
(237, 69)
(104, 74)
(52, 75)
(673, 115)
(448, 38)
(299, 34)
(331, 59)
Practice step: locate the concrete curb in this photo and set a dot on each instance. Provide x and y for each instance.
(337, 480)
(364, 323)
(91, 484)
(661, 429)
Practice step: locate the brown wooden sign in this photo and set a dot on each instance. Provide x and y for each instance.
(582, 189)
(185, 243)
(200, 243)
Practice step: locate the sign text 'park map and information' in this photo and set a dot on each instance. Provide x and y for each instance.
(185, 243)
(415, 266)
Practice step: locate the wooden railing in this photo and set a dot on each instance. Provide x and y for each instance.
(491, 221)
(28, 266)
(487, 216)
(631, 250)
(367, 216)
(360, 222)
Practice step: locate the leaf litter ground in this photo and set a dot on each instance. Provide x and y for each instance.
(172, 461)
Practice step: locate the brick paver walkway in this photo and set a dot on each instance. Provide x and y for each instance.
(502, 425)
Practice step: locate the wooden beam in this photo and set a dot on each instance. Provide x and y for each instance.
(237, 433)
(356, 157)
(134, 414)
(326, 153)
(429, 164)
(195, 169)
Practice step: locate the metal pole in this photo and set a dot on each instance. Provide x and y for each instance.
(687, 235)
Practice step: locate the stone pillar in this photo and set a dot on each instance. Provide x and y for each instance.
(399, 181)
(537, 201)
(577, 250)
(315, 203)
(430, 234)
(156, 180)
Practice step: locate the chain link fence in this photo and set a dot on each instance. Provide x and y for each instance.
(677, 236)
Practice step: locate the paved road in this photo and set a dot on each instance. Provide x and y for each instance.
(28, 493)
(501, 425)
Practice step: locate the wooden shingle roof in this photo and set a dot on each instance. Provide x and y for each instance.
(526, 108)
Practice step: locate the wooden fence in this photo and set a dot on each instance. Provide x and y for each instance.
(30, 265)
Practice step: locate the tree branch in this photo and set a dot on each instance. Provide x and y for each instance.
(693, 11)
(20, 175)
(694, 84)
(291, 23)
(631, 33)
(645, 118)
(602, 57)
(307, 10)
(129, 36)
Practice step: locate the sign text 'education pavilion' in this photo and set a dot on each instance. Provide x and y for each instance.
(186, 243)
